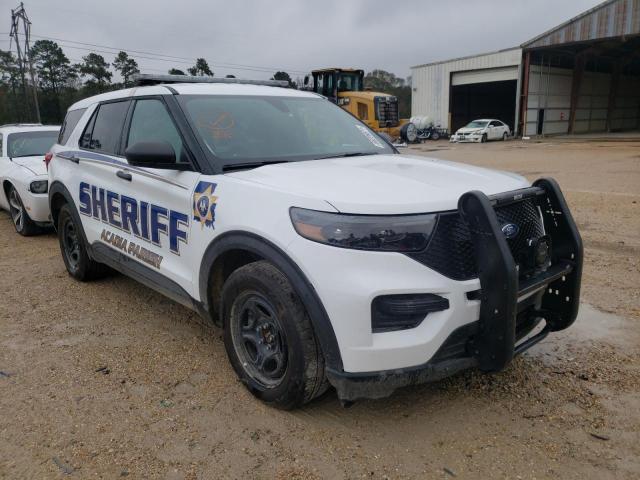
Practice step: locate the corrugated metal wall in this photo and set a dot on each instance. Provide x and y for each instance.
(612, 19)
(431, 83)
(550, 91)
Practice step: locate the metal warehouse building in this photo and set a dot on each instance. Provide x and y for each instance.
(582, 76)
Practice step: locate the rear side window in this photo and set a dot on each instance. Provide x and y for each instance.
(69, 124)
(105, 128)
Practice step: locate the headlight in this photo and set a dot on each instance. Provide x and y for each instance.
(388, 233)
(39, 186)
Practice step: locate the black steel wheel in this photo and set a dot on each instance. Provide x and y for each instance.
(259, 339)
(74, 250)
(70, 243)
(269, 337)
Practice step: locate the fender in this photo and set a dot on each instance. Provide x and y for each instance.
(57, 188)
(264, 248)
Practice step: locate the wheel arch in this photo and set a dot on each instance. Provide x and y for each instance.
(6, 186)
(58, 197)
(231, 250)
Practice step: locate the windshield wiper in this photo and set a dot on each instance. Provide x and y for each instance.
(249, 165)
(348, 154)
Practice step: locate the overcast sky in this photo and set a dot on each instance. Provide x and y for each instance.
(292, 35)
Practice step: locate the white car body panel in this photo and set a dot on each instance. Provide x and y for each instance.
(383, 184)
(21, 171)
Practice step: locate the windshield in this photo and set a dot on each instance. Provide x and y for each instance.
(349, 82)
(263, 129)
(476, 124)
(27, 144)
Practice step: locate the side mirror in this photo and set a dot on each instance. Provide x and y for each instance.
(152, 155)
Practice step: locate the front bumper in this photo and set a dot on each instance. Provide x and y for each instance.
(469, 138)
(37, 205)
(510, 308)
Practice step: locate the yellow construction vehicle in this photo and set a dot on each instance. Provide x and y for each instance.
(345, 86)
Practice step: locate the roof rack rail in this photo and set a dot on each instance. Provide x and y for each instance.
(142, 79)
(22, 125)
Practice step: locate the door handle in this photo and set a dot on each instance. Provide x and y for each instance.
(124, 175)
(74, 159)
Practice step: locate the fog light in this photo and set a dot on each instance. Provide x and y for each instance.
(541, 251)
(400, 312)
(39, 186)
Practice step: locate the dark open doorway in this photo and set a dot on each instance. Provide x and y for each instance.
(483, 100)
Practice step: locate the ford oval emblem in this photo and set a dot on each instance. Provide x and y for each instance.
(510, 230)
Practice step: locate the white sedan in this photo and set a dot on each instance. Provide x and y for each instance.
(23, 175)
(481, 131)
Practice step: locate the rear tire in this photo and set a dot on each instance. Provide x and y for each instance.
(435, 136)
(504, 136)
(269, 337)
(19, 216)
(74, 251)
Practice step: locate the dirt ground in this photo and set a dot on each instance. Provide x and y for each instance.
(111, 380)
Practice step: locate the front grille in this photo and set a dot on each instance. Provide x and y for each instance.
(387, 111)
(451, 251)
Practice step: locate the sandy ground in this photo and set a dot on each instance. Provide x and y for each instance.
(111, 380)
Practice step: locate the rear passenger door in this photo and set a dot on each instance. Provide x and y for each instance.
(96, 162)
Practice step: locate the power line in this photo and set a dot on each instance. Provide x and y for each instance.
(164, 57)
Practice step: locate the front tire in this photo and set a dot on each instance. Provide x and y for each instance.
(269, 338)
(484, 138)
(74, 251)
(21, 220)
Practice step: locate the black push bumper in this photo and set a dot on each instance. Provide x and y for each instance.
(512, 304)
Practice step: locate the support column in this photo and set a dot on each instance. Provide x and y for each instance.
(578, 71)
(613, 92)
(524, 94)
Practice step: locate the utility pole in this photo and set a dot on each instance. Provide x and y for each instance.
(20, 19)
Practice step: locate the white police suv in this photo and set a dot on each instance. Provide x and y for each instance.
(23, 175)
(327, 257)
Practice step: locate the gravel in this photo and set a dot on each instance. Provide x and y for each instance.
(111, 380)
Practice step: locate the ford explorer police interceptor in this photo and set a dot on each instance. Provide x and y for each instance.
(327, 257)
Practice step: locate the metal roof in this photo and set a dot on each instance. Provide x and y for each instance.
(613, 18)
(484, 54)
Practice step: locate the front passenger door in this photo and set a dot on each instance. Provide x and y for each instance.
(161, 198)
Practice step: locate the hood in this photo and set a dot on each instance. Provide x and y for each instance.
(34, 164)
(383, 184)
(469, 130)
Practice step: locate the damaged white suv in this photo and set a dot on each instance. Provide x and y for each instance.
(327, 257)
